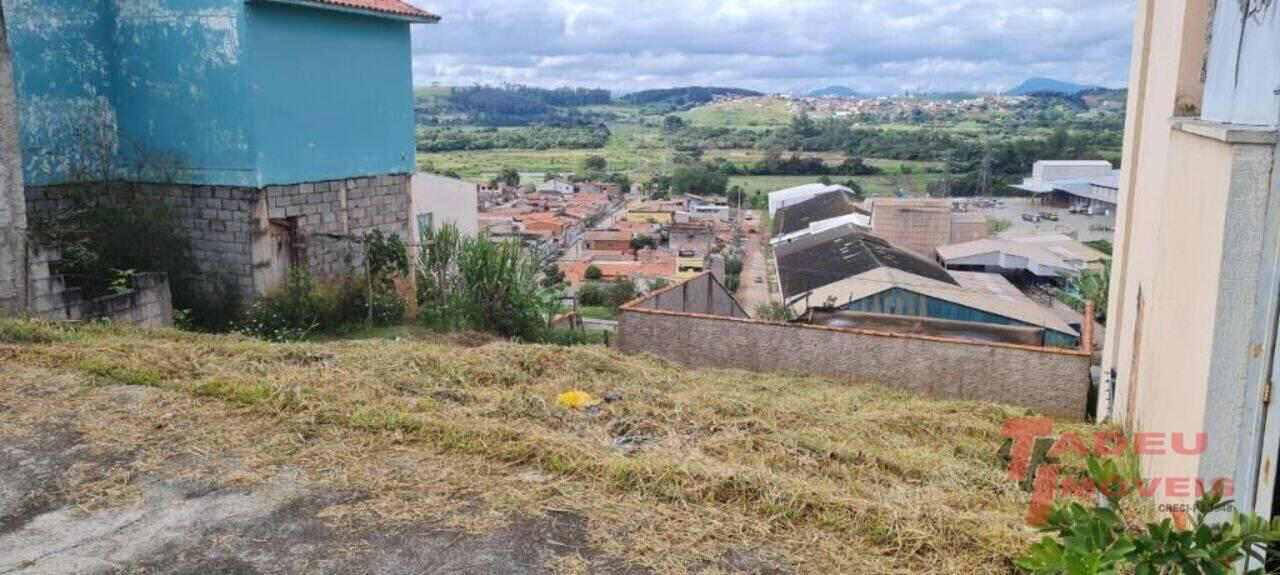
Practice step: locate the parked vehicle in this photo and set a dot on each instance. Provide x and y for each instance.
(1033, 218)
(1049, 216)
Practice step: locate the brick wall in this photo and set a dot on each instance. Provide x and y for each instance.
(222, 223)
(1050, 381)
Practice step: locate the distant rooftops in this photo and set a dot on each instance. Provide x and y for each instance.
(848, 265)
(833, 255)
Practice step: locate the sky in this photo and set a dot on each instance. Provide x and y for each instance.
(878, 46)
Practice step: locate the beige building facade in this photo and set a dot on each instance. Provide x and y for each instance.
(1191, 319)
(437, 200)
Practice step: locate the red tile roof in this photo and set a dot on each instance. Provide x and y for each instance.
(396, 7)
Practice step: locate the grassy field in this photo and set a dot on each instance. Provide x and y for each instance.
(750, 113)
(690, 469)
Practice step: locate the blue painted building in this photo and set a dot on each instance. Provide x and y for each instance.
(225, 92)
(263, 122)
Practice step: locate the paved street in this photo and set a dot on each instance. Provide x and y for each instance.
(752, 294)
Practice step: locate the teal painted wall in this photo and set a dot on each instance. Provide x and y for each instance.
(209, 92)
(332, 94)
(898, 301)
(182, 92)
(62, 68)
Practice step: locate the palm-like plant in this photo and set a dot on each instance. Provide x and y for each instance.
(1088, 286)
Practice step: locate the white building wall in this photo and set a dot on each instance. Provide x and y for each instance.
(440, 200)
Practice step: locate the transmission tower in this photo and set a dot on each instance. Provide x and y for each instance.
(984, 174)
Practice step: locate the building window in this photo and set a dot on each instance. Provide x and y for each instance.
(425, 221)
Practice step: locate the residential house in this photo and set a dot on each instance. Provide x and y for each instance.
(1195, 280)
(439, 200)
(1085, 186)
(696, 237)
(849, 269)
(600, 188)
(704, 213)
(557, 186)
(659, 265)
(610, 240)
(491, 196)
(1044, 258)
(821, 212)
(650, 212)
(235, 114)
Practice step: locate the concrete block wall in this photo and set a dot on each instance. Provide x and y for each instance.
(327, 214)
(1052, 382)
(221, 223)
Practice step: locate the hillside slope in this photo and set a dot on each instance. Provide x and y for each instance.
(1034, 85)
(193, 453)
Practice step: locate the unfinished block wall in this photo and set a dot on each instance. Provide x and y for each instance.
(221, 223)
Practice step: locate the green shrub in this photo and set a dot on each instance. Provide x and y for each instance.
(289, 315)
(1097, 540)
(591, 294)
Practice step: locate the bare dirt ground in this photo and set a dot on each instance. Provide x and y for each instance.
(217, 525)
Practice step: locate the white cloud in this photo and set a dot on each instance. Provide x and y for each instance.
(882, 45)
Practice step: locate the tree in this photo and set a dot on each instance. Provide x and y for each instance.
(621, 292)
(698, 178)
(672, 123)
(1088, 286)
(594, 164)
(593, 273)
(510, 177)
(641, 242)
(552, 276)
(803, 126)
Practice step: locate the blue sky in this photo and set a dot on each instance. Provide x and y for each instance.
(774, 45)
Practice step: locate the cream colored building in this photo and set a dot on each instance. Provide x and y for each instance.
(1192, 316)
(438, 200)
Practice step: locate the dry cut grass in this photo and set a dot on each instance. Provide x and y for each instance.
(815, 475)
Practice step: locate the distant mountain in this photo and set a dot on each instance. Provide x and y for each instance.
(685, 96)
(1049, 85)
(836, 91)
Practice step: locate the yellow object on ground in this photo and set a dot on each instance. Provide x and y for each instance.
(577, 399)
